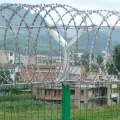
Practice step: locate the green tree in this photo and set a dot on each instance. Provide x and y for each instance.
(116, 57)
(85, 63)
(99, 59)
(5, 76)
(85, 55)
(110, 68)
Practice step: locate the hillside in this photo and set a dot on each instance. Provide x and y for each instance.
(18, 38)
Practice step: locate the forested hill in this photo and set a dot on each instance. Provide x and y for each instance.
(20, 37)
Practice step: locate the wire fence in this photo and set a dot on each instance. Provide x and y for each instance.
(59, 63)
(34, 102)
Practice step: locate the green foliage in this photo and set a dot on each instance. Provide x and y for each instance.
(14, 97)
(85, 55)
(4, 75)
(99, 59)
(34, 110)
(16, 91)
(110, 68)
(116, 56)
(85, 63)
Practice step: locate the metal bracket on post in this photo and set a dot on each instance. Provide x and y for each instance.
(65, 102)
(66, 87)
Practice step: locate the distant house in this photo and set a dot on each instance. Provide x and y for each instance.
(38, 73)
(7, 57)
(44, 60)
(82, 94)
(47, 93)
(54, 93)
(50, 93)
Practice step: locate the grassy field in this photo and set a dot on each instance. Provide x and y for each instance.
(28, 109)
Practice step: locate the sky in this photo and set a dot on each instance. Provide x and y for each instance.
(80, 4)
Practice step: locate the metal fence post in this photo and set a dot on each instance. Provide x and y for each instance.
(65, 102)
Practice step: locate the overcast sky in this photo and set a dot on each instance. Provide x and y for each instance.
(81, 4)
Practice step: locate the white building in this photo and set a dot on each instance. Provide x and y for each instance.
(7, 57)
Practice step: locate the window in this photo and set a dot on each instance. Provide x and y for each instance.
(35, 68)
(44, 61)
(11, 61)
(82, 92)
(11, 54)
(50, 92)
(72, 92)
(81, 101)
(40, 61)
(59, 92)
(17, 73)
(100, 77)
(45, 92)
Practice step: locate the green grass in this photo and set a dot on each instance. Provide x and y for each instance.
(25, 108)
(34, 110)
(29, 110)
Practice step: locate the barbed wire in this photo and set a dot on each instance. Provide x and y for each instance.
(61, 23)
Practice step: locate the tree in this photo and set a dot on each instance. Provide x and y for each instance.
(110, 68)
(5, 76)
(85, 55)
(85, 63)
(99, 59)
(113, 67)
(116, 57)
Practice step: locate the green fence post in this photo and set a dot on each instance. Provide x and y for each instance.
(65, 102)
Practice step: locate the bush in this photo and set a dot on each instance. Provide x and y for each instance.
(14, 97)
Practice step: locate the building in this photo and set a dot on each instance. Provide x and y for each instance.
(7, 57)
(38, 73)
(81, 96)
(54, 93)
(44, 60)
(48, 93)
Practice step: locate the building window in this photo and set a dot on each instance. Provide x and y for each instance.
(45, 92)
(17, 73)
(82, 92)
(72, 92)
(44, 61)
(100, 77)
(81, 101)
(35, 68)
(50, 92)
(11, 54)
(59, 92)
(11, 61)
